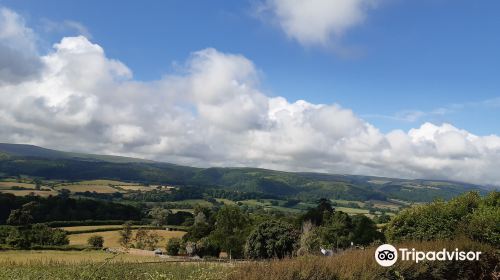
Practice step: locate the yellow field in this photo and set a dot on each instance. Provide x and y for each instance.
(135, 187)
(351, 210)
(104, 182)
(79, 228)
(27, 192)
(66, 257)
(111, 238)
(89, 188)
(4, 185)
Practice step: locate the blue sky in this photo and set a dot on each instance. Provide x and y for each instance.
(410, 55)
(376, 87)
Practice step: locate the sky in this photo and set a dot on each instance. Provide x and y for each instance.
(376, 87)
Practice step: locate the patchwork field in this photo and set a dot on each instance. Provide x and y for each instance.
(80, 228)
(88, 188)
(134, 187)
(29, 192)
(8, 185)
(111, 238)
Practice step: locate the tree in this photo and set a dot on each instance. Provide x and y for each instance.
(318, 214)
(173, 246)
(365, 230)
(160, 216)
(41, 234)
(310, 242)
(19, 217)
(271, 239)
(145, 239)
(96, 241)
(38, 184)
(126, 235)
(337, 231)
(231, 230)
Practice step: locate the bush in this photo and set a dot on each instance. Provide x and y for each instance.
(173, 246)
(468, 214)
(96, 241)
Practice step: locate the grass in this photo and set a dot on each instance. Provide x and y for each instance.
(17, 257)
(344, 202)
(97, 227)
(8, 185)
(104, 182)
(195, 202)
(52, 265)
(111, 238)
(353, 211)
(385, 205)
(360, 264)
(89, 188)
(29, 192)
(135, 187)
(225, 201)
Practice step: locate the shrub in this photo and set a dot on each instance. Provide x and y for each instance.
(96, 241)
(467, 215)
(173, 246)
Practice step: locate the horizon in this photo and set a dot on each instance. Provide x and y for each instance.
(356, 87)
(250, 167)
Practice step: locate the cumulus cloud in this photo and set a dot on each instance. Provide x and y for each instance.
(18, 56)
(316, 22)
(213, 112)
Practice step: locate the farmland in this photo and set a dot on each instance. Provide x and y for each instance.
(111, 238)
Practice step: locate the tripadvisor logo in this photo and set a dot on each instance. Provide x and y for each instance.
(387, 255)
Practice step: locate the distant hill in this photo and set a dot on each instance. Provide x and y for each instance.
(51, 164)
(22, 150)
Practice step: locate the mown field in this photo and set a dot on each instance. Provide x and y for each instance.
(111, 238)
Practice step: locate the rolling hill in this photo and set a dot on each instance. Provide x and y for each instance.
(28, 160)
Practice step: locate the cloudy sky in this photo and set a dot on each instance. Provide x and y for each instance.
(374, 87)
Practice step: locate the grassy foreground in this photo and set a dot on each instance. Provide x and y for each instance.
(120, 270)
(52, 265)
(355, 264)
(360, 264)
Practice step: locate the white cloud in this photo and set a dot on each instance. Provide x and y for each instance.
(18, 55)
(212, 112)
(66, 26)
(316, 22)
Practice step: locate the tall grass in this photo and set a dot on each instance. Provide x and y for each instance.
(122, 271)
(360, 264)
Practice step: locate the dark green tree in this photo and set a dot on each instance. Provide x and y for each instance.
(173, 246)
(337, 231)
(231, 230)
(365, 230)
(96, 241)
(272, 239)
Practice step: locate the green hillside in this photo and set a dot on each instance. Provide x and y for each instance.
(50, 164)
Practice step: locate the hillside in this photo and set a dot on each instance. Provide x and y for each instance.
(21, 150)
(51, 164)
